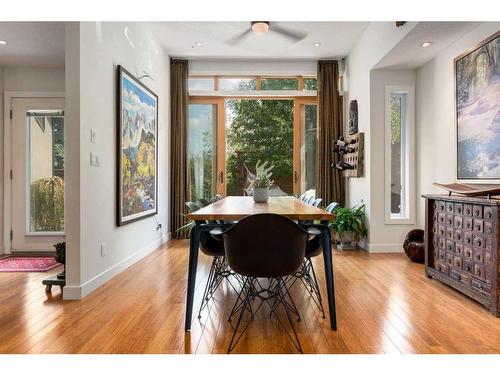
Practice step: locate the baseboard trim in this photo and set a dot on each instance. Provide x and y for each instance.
(384, 248)
(81, 291)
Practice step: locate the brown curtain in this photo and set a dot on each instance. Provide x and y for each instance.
(178, 144)
(329, 181)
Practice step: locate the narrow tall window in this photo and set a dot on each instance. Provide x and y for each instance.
(399, 151)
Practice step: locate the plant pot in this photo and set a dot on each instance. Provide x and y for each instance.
(347, 241)
(260, 195)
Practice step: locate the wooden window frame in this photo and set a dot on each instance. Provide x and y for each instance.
(218, 98)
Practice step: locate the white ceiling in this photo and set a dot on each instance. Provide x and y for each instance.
(34, 44)
(180, 38)
(409, 53)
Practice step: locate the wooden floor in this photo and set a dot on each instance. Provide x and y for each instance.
(384, 302)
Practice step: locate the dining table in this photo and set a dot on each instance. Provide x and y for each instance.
(233, 208)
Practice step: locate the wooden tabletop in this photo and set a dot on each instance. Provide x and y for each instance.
(235, 208)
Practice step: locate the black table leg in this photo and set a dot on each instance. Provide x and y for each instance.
(326, 243)
(194, 244)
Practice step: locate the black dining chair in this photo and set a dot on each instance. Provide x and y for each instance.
(306, 273)
(211, 244)
(301, 196)
(316, 202)
(264, 246)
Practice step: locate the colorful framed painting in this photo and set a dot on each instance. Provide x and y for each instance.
(137, 185)
(477, 98)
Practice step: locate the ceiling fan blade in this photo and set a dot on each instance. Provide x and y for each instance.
(295, 36)
(239, 38)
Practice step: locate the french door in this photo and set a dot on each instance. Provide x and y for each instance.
(37, 173)
(226, 136)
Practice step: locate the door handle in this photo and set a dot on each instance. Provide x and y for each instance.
(295, 176)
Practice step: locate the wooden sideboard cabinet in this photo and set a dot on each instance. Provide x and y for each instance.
(461, 246)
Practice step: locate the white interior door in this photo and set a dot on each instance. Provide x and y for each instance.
(37, 173)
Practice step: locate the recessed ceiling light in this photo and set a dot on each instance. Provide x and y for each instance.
(316, 44)
(3, 42)
(198, 44)
(426, 44)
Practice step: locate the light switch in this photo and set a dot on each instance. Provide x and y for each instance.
(95, 159)
(92, 135)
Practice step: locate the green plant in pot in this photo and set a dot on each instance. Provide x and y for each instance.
(349, 226)
(262, 182)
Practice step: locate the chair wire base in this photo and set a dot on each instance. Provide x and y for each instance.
(274, 295)
(307, 276)
(219, 270)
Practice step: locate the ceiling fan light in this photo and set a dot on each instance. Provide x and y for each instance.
(260, 28)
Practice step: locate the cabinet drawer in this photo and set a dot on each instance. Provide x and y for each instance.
(450, 220)
(488, 227)
(460, 277)
(459, 248)
(468, 267)
(458, 222)
(441, 218)
(477, 211)
(468, 238)
(468, 252)
(478, 225)
(450, 246)
(441, 230)
(449, 233)
(459, 208)
(467, 224)
(449, 258)
(488, 212)
(441, 256)
(449, 207)
(478, 240)
(458, 235)
(457, 262)
(478, 255)
(468, 209)
(488, 243)
(441, 267)
(488, 257)
(442, 243)
(488, 274)
(479, 271)
(441, 206)
(480, 287)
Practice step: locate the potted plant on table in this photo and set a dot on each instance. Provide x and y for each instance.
(262, 182)
(349, 226)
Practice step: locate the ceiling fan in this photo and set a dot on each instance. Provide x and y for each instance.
(260, 28)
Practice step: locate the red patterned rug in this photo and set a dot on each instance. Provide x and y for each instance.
(28, 264)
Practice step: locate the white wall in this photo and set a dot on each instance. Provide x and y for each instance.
(383, 237)
(376, 41)
(24, 79)
(102, 46)
(436, 140)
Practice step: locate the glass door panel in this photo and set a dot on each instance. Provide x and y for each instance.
(259, 129)
(309, 142)
(202, 167)
(45, 171)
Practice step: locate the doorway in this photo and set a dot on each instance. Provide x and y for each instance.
(36, 186)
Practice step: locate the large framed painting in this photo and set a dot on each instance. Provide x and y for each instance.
(477, 95)
(137, 185)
